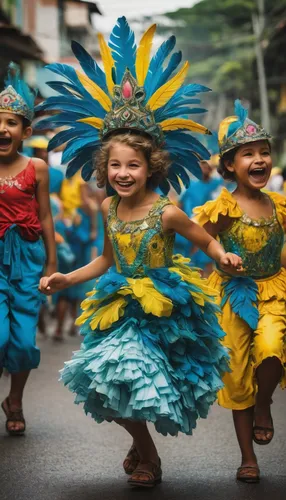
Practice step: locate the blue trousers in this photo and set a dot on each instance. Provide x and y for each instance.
(21, 267)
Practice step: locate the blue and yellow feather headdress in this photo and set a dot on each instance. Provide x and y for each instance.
(237, 130)
(17, 97)
(134, 92)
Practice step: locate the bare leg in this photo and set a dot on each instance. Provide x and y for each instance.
(268, 375)
(61, 311)
(18, 382)
(74, 314)
(42, 321)
(243, 423)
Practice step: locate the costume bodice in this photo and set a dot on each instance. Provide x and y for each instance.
(259, 242)
(142, 243)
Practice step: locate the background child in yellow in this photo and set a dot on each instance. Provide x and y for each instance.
(250, 222)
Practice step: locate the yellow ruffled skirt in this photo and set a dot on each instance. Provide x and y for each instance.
(249, 347)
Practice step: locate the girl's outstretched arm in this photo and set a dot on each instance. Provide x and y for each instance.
(94, 269)
(176, 220)
(45, 215)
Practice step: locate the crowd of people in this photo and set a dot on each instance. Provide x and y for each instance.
(161, 343)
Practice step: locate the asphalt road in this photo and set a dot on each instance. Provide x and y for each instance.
(66, 456)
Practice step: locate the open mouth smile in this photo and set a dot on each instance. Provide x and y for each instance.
(259, 174)
(125, 184)
(5, 143)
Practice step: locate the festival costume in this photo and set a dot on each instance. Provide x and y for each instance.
(152, 347)
(22, 258)
(253, 305)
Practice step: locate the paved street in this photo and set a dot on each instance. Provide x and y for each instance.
(66, 456)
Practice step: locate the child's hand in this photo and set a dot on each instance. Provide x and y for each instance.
(230, 263)
(53, 283)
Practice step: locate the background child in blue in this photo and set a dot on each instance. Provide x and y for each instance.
(152, 348)
(26, 244)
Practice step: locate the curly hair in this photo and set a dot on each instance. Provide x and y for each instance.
(157, 159)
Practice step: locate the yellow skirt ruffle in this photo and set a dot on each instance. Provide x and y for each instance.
(249, 348)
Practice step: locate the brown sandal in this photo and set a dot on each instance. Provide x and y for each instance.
(265, 430)
(131, 461)
(149, 469)
(248, 474)
(13, 416)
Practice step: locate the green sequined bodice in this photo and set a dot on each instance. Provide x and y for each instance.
(258, 242)
(140, 243)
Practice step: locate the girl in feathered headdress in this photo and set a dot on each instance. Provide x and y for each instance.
(251, 222)
(26, 244)
(152, 347)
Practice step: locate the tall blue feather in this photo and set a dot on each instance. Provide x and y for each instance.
(76, 145)
(89, 65)
(81, 159)
(174, 62)
(156, 65)
(185, 141)
(240, 111)
(64, 88)
(69, 73)
(72, 133)
(178, 112)
(123, 47)
(73, 104)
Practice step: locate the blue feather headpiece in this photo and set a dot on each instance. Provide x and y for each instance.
(134, 92)
(237, 130)
(17, 97)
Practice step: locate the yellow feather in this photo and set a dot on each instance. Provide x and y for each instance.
(93, 121)
(143, 54)
(164, 93)
(151, 301)
(107, 315)
(107, 60)
(95, 91)
(223, 127)
(183, 123)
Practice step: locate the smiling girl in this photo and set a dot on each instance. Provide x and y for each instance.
(250, 222)
(26, 244)
(147, 322)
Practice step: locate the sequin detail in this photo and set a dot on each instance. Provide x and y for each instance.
(259, 242)
(141, 243)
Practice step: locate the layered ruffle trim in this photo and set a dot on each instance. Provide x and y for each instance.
(165, 371)
(224, 205)
(159, 358)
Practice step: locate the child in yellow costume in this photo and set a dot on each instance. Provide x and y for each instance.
(252, 224)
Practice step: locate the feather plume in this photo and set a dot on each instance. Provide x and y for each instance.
(184, 141)
(156, 66)
(67, 135)
(184, 124)
(108, 62)
(240, 111)
(89, 66)
(64, 88)
(164, 93)
(177, 112)
(143, 54)
(75, 146)
(95, 91)
(223, 128)
(174, 62)
(14, 79)
(123, 48)
(81, 159)
(93, 121)
(72, 104)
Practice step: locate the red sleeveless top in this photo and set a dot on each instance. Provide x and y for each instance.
(18, 204)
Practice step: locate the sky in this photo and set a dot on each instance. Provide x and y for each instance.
(112, 9)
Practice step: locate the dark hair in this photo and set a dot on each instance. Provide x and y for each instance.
(222, 169)
(26, 122)
(158, 160)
